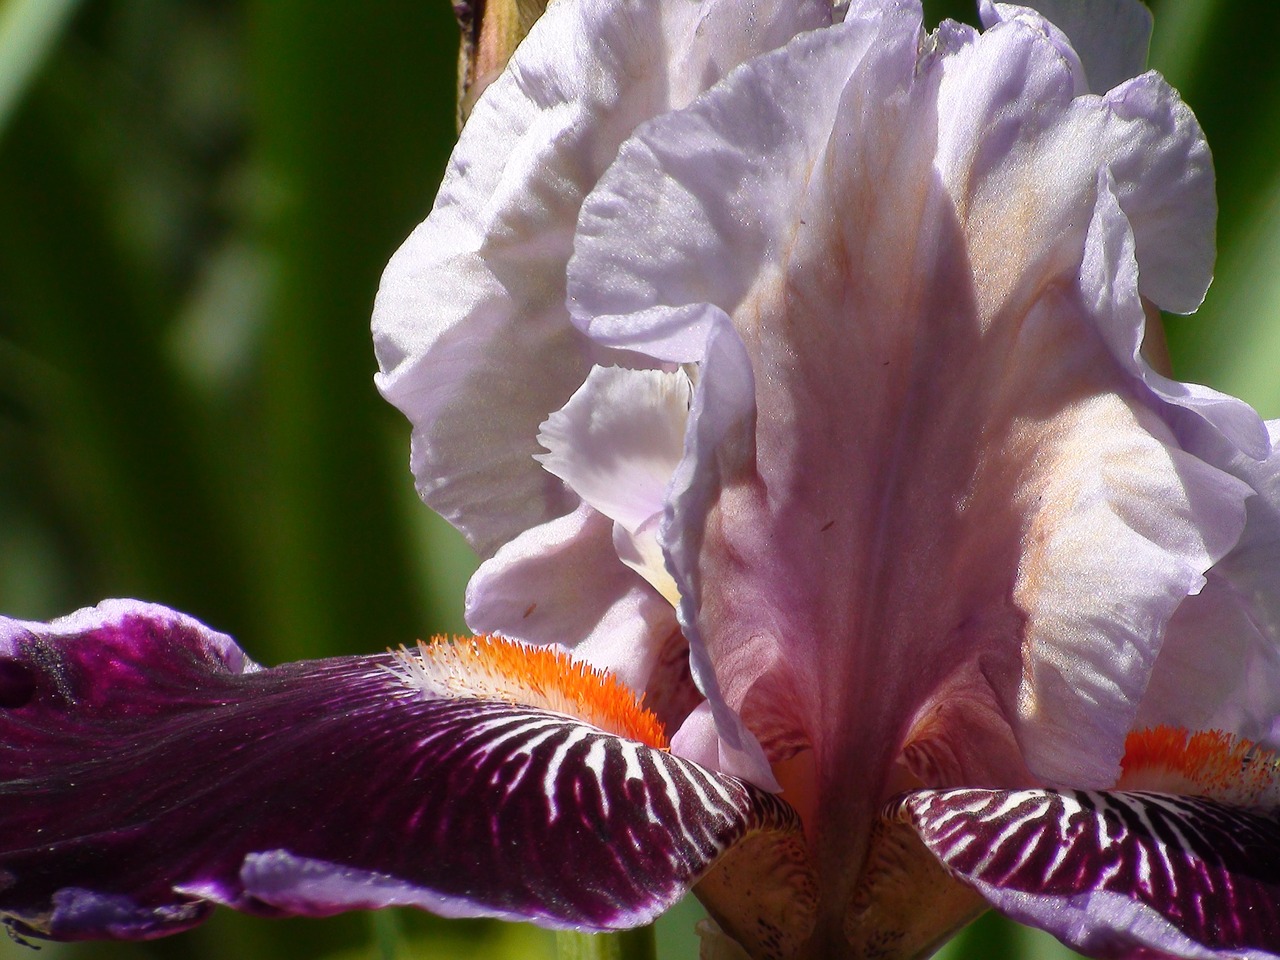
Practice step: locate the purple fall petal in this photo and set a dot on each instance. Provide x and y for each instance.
(1114, 874)
(149, 770)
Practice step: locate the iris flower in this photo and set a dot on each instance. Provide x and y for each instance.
(848, 557)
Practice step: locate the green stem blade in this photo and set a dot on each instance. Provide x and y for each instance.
(29, 29)
(635, 944)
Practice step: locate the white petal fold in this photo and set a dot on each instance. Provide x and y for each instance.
(616, 444)
(561, 584)
(618, 440)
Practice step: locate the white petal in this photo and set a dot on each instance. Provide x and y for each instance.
(618, 440)
(475, 297)
(561, 583)
(710, 229)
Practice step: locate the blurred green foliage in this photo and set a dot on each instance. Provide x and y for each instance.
(197, 201)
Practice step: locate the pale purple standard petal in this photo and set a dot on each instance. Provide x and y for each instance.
(967, 363)
(955, 489)
(691, 251)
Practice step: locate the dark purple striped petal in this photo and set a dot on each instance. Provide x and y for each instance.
(149, 771)
(1114, 874)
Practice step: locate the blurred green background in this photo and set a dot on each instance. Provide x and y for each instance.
(196, 201)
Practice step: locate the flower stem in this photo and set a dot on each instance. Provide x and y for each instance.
(635, 944)
(386, 933)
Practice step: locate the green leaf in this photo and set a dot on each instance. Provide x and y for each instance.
(627, 945)
(29, 29)
(1234, 341)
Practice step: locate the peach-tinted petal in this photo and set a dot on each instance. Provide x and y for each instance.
(618, 440)
(1015, 141)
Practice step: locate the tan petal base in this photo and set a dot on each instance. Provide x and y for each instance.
(907, 903)
(764, 895)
